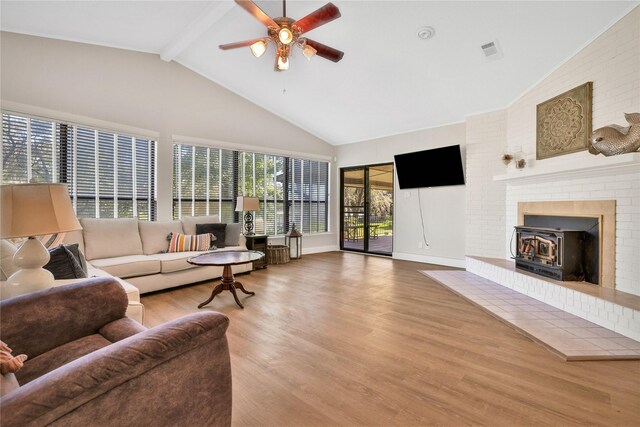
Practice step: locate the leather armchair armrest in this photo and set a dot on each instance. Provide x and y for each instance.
(40, 321)
(175, 374)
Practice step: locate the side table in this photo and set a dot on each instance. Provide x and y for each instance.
(258, 243)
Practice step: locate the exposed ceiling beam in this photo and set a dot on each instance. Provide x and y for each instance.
(211, 15)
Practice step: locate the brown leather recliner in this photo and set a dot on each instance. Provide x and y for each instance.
(90, 365)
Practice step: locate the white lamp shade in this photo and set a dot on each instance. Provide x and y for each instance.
(36, 209)
(247, 204)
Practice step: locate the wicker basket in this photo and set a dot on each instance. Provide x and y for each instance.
(277, 254)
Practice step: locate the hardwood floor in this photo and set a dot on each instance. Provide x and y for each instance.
(346, 339)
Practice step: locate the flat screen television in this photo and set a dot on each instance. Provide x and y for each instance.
(430, 168)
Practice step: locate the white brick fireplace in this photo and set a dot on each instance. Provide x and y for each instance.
(616, 178)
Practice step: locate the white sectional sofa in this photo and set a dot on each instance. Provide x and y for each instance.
(135, 310)
(134, 252)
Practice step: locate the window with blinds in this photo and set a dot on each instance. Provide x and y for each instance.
(207, 181)
(309, 195)
(262, 176)
(109, 175)
(203, 182)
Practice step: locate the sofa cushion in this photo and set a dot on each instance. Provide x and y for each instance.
(175, 261)
(217, 229)
(232, 234)
(58, 356)
(107, 238)
(189, 222)
(128, 266)
(154, 235)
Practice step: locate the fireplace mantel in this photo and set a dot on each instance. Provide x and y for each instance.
(626, 162)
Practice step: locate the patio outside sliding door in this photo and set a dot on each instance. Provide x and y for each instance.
(367, 209)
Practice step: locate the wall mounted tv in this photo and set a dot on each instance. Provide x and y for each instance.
(430, 168)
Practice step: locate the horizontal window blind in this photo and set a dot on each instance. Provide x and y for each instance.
(262, 176)
(309, 195)
(109, 175)
(203, 182)
(207, 181)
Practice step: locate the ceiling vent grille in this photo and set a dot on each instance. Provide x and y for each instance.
(492, 50)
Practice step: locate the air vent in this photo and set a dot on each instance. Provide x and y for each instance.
(492, 50)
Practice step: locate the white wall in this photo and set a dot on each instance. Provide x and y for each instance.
(443, 208)
(485, 216)
(612, 63)
(122, 89)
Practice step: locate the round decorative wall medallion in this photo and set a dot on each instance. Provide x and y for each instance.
(561, 124)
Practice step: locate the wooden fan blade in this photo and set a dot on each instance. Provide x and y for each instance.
(325, 51)
(253, 9)
(326, 13)
(239, 44)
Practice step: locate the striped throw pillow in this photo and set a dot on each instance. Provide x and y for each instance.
(187, 242)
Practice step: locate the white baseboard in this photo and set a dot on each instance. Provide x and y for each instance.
(449, 262)
(319, 249)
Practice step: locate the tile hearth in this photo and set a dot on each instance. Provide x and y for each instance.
(609, 308)
(565, 334)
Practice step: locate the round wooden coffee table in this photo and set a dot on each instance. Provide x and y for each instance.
(226, 259)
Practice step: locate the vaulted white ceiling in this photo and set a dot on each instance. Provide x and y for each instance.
(389, 81)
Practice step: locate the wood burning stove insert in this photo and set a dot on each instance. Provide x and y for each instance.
(559, 254)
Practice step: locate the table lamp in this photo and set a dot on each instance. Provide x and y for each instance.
(30, 210)
(248, 204)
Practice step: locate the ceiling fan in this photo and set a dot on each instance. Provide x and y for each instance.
(284, 33)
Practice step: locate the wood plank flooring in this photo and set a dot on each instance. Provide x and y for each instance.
(346, 339)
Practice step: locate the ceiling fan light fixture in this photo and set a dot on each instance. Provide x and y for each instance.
(308, 52)
(285, 35)
(283, 63)
(258, 48)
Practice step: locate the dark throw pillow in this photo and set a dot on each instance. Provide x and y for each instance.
(232, 236)
(79, 256)
(64, 265)
(217, 230)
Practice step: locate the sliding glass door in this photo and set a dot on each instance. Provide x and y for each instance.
(367, 209)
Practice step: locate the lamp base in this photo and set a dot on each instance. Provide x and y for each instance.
(248, 224)
(31, 277)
